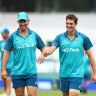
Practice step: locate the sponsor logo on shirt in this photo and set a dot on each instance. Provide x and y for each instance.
(70, 50)
(18, 38)
(2, 44)
(25, 45)
(65, 40)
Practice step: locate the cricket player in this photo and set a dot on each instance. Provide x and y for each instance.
(7, 82)
(24, 41)
(71, 44)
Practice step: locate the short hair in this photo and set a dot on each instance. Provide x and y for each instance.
(72, 17)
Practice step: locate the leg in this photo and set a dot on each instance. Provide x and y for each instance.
(4, 82)
(18, 84)
(65, 93)
(74, 92)
(88, 82)
(31, 85)
(20, 91)
(64, 86)
(31, 90)
(7, 85)
(75, 86)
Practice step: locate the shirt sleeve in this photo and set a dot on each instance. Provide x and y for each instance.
(56, 41)
(40, 43)
(87, 43)
(9, 43)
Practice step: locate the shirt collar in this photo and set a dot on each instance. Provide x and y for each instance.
(76, 34)
(29, 31)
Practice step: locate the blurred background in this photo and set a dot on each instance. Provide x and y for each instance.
(47, 18)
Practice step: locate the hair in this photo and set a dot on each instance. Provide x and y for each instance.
(72, 17)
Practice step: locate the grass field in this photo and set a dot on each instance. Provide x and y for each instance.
(56, 93)
(1, 91)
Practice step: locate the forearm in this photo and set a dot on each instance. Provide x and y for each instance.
(5, 59)
(92, 61)
(51, 50)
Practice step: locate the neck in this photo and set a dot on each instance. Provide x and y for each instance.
(72, 33)
(23, 31)
(6, 39)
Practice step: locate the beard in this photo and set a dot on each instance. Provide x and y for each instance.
(23, 28)
(5, 38)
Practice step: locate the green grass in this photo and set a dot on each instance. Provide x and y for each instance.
(49, 93)
(1, 91)
(59, 93)
(55, 93)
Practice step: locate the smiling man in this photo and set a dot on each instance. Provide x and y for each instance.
(71, 44)
(24, 71)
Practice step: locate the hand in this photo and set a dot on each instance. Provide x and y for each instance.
(45, 53)
(40, 59)
(94, 78)
(4, 74)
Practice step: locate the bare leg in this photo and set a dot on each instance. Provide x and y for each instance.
(65, 93)
(32, 91)
(74, 92)
(7, 85)
(20, 91)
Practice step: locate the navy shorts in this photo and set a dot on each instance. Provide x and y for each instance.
(70, 83)
(24, 80)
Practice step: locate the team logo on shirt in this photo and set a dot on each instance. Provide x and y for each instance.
(30, 36)
(77, 39)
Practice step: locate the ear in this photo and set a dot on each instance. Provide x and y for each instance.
(28, 20)
(18, 22)
(76, 24)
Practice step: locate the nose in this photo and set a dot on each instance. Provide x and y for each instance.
(22, 23)
(68, 25)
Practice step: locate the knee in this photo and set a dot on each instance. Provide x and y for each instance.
(20, 94)
(32, 94)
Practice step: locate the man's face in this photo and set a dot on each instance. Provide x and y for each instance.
(70, 25)
(5, 36)
(23, 24)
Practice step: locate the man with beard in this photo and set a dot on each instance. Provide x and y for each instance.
(24, 70)
(7, 82)
(71, 44)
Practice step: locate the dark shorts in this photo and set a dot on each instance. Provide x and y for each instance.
(70, 83)
(24, 80)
